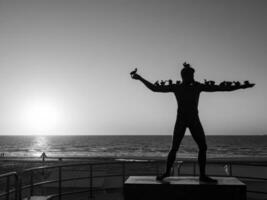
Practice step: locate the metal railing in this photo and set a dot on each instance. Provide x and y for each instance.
(230, 173)
(90, 177)
(11, 187)
(22, 190)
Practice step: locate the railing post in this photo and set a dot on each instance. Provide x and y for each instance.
(179, 168)
(31, 182)
(231, 172)
(7, 187)
(157, 168)
(59, 182)
(194, 168)
(16, 186)
(20, 187)
(91, 181)
(123, 172)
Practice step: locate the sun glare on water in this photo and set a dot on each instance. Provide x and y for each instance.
(39, 116)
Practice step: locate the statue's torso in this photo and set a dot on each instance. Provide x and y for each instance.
(187, 97)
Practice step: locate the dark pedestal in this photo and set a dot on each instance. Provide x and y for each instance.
(183, 188)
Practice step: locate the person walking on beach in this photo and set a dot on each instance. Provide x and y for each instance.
(43, 156)
(187, 95)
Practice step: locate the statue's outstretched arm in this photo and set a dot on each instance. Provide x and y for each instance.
(151, 86)
(155, 88)
(223, 88)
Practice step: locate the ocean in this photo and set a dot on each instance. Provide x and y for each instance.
(130, 146)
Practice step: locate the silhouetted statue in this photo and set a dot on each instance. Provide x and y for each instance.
(187, 95)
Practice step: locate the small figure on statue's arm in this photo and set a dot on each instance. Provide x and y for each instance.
(237, 83)
(247, 83)
(162, 83)
(187, 94)
(212, 83)
(228, 84)
(156, 83)
(209, 82)
(222, 84)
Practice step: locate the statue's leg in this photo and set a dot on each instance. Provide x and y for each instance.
(198, 134)
(178, 134)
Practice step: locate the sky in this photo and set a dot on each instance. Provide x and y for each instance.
(64, 65)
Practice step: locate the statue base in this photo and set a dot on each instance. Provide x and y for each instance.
(189, 188)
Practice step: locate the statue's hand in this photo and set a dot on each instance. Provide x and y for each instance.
(136, 76)
(248, 85)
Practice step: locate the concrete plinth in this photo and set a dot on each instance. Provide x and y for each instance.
(180, 188)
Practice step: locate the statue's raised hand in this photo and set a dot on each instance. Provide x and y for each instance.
(136, 76)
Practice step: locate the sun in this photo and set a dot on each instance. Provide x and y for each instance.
(41, 115)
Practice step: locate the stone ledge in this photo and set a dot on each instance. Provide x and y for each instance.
(147, 187)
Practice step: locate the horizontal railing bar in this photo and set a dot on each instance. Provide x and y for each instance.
(10, 191)
(76, 192)
(66, 180)
(65, 165)
(68, 193)
(39, 183)
(242, 163)
(76, 178)
(8, 174)
(88, 177)
(129, 162)
(92, 164)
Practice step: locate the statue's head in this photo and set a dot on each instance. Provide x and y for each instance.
(187, 73)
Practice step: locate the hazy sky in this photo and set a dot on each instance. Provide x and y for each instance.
(64, 65)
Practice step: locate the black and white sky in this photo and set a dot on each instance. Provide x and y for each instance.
(64, 64)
